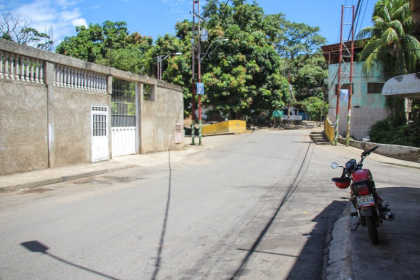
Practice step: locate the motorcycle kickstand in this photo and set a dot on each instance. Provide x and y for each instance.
(357, 225)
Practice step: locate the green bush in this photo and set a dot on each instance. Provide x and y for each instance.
(386, 132)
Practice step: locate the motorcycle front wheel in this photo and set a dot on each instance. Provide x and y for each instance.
(372, 229)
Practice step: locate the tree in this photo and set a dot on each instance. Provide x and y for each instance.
(308, 77)
(314, 106)
(110, 45)
(16, 28)
(241, 76)
(391, 40)
(299, 45)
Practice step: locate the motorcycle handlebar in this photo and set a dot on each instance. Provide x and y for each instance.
(365, 153)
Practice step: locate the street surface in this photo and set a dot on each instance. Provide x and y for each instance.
(251, 206)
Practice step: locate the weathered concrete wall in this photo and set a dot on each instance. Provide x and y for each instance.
(23, 127)
(159, 117)
(367, 109)
(72, 124)
(45, 109)
(362, 120)
(393, 151)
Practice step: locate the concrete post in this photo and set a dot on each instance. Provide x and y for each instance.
(49, 81)
(139, 118)
(139, 97)
(109, 85)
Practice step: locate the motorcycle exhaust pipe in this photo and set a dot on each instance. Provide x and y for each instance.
(388, 216)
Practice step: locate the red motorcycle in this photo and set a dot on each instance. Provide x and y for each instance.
(363, 195)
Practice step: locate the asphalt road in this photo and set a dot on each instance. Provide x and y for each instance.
(253, 206)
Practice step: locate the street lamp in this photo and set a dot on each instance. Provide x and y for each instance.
(218, 40)
(159, 63)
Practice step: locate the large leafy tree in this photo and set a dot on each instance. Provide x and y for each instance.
(110, 44)
(241, 76)
(391, 38)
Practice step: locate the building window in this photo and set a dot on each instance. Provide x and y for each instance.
(344, 86)
(375, 87)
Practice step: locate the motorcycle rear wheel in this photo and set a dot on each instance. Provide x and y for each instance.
(372, 229)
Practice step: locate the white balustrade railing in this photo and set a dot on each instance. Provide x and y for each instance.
(21, 68)
(70, 77)
(16, 67)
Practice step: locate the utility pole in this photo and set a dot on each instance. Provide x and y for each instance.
(199, 72)
(351, 80)
(345, 75)
(193, 77)
(337, 109)
(290, 97)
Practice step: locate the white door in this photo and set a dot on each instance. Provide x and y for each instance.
(100, 133)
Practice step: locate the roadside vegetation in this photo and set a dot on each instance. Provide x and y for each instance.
(393, 43)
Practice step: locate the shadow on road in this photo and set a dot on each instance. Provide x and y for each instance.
(312, 260)
(399, 241)
(37, 247)
(168, 201)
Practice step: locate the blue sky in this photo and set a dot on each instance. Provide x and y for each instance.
(157, 17)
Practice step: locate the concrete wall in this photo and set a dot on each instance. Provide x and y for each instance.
(23, 127)
(45, 109)
(393, 151)
(72, 124)
(367, 109)
(158, 118)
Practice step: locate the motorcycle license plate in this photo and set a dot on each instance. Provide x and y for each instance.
(366, 200)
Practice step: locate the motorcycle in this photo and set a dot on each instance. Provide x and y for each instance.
(363, 195)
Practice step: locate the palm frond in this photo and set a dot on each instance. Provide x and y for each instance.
(398, 27)
(401, 10)
(365, 32)
(390, 37)
(370, 62)
(386, 14)
(369, 48)
(412, 52)
(380, 26)
(378, 9)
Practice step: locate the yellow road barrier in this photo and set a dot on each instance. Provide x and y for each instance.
(329, 130)
(225, 127)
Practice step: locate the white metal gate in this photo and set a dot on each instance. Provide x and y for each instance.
(100, 134)
(123, 117)
(123, 141)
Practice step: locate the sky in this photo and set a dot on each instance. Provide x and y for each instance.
(158, 17)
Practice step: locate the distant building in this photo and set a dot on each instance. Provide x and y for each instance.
(368, 105)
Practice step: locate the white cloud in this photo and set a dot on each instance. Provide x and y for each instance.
(79, 22)
(96, 7)
(62, 15)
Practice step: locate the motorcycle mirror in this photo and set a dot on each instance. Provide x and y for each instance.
(334, 165)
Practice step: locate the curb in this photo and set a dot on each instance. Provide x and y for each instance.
(339, 264)
(61, 179)
(54, 177)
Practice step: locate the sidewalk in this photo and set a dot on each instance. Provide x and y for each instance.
(37, 178)
(348, 249)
